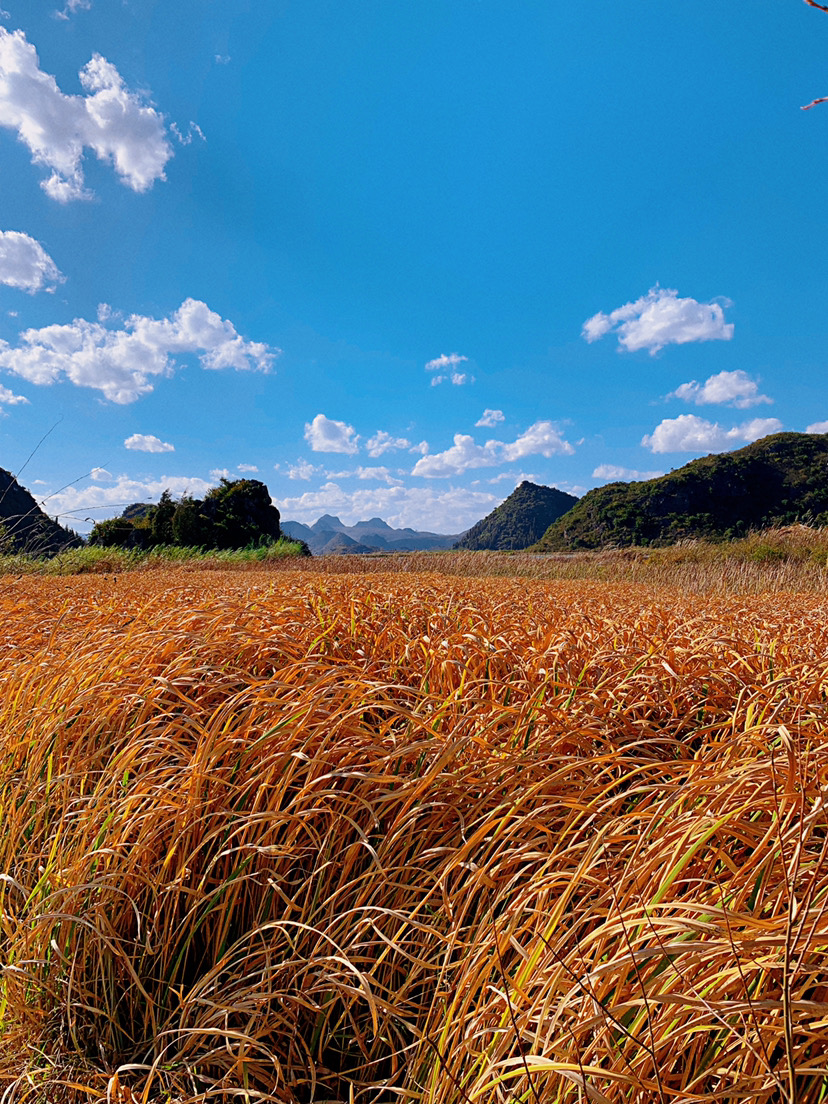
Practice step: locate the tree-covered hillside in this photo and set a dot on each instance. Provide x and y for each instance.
(779, 480)
(24, 527)
(519, 521)
(235, 514)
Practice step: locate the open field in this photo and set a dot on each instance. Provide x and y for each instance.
(322, 833)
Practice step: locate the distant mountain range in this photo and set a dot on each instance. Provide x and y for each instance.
(519, 521)
(329, 537)
(776, 481)
(24, 527)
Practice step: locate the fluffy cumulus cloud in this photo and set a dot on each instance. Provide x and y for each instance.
(690, 433)
(79, 506)
(490, 419)
(660, 318)
(146, 442)
(384, 442)
(25, 264)
(119, 126)
(8, 398)
(612, 473)
(541, 439)
(814, 427)
(327, 435)
(725, 389)
(302, 469)
(123, 363)
(448, 510)
(246, 468)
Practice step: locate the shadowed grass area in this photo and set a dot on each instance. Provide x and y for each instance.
(409, 837)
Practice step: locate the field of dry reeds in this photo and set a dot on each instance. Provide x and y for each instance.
(308, 836)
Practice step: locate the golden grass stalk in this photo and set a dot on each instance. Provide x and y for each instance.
(317, 837)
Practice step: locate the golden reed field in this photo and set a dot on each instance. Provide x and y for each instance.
(308, 836)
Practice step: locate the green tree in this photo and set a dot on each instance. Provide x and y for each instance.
(112, 533)
(162, 520)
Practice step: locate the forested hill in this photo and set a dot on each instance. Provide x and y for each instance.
(519, 521)
(24, 527)
(779, 480)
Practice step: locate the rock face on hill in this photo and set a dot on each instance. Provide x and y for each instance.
(519, 521)
(24, 527)
(778, 480)
(329, 536)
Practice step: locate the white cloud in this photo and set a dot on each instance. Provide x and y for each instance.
(71, 7)
(146, 442)
(490, 418)
(458, 379)
(118, 125)
(73, 504)
(25, 264)
(515, 478)
(543, 438)
(222, 59)
(463, 455)
(449, 510)
(186, 138)
(301, 470)
(817, 427)
(9, 398)
(421, 448)
(220, 473)
(690, 433)
(660, 318)
(100, 475)
(122, 363)
(327, 435)
(540, 439)
(725, 388)
(383, 442)
(612, 472)
(445, 363)
(246, 468)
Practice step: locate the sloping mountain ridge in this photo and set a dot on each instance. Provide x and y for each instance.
(24, 527)
(778, 480)
(373, 535)
(520, 520)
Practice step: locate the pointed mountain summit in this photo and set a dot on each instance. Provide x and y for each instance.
(519, 521)
(776, 481)
(24, 527)
(328, 523)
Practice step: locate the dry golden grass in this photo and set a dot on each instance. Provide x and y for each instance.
(305, 836)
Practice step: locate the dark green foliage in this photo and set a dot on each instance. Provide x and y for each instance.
(777, 481)
(162, 520)
(240, 513)
(519, 521)
(236, 514)
(113, 533)
(25, 527)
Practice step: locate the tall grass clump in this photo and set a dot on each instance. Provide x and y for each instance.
(305, 838)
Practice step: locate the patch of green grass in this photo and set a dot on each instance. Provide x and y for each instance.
(93, 559)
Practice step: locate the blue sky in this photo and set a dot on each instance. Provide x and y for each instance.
(393, 256)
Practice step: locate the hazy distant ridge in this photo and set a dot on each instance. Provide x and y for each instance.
(329, 536)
